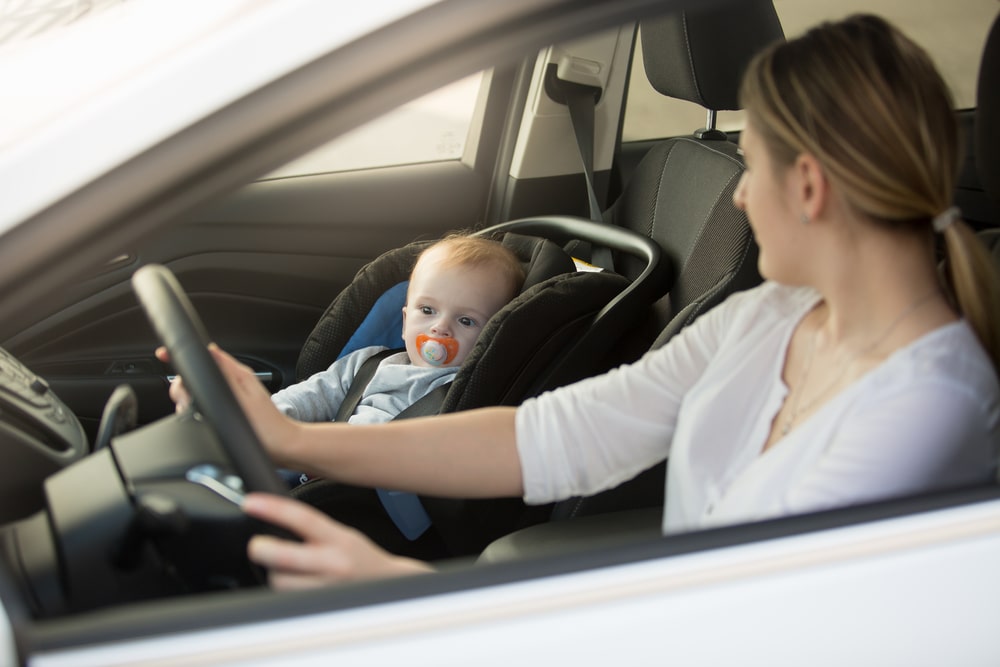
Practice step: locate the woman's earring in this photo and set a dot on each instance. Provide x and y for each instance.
(804, 219)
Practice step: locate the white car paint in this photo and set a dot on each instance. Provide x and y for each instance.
(915, 590)
(835, 597)
(108, 87)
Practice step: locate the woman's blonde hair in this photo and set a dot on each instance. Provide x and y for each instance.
(868, 103)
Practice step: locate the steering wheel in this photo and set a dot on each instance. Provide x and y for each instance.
(178, 326)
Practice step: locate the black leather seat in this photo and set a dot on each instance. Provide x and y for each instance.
(681, 193)
(603, 519)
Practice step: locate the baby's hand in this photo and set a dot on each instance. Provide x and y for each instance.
(272, 428)
(178, 393)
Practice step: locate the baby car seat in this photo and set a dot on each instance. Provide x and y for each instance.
(556, 329)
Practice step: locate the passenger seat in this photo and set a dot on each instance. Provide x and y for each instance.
(987, 130)
(681, 193)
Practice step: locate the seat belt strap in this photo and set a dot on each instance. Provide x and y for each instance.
(405, 509)
(361, 380)
(581, 101)
(428, 404)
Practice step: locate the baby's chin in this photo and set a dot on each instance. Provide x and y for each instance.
(417, 360)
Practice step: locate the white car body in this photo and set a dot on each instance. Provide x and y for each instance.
(903, 584)
(77, 108)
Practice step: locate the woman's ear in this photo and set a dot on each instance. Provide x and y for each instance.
(812, 185)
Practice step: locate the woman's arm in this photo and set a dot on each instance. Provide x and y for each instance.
(467, 454)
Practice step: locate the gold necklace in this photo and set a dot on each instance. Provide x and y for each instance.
(796, 408)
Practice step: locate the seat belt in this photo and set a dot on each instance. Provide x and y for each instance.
(360, 382)
(581, 101)
(405, 509)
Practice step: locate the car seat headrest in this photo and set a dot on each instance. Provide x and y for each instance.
(987, 123)
(699, 55)
(541, 258)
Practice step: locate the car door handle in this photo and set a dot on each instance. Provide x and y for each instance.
(264, 376)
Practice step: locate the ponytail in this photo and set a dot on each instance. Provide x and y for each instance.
(974, 281)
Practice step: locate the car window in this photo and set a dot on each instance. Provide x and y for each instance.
(432, 128)
(649, 115)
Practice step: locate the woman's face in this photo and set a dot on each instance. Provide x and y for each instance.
(765, 193)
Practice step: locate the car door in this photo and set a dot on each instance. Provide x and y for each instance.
(262, 264)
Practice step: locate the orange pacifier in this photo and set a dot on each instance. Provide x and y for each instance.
(437, 351)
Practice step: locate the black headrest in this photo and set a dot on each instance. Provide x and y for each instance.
(699, 55)
(988, 114)
(540, 257)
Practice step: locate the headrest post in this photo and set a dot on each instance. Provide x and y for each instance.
(710, 131)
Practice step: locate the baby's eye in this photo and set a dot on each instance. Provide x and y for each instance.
(426, 310)
(467, 321)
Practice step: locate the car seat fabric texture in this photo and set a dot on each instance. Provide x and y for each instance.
(705, 237)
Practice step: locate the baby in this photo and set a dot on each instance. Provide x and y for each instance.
(456, 286)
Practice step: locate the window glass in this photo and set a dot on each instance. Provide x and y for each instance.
(956, 51)
(432, 128)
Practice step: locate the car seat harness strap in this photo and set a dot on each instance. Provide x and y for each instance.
(405, 509)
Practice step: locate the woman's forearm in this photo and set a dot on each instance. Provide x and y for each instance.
(469, 454)
(465, 454)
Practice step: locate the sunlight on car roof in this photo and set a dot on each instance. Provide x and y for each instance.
(84, 96)
(26, 18)
(46, 74)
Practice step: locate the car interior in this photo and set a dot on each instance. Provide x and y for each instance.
(561, 324)
(122, 514)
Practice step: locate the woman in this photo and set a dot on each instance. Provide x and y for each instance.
(854, 373)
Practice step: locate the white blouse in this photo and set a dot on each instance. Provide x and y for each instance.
(926, 418)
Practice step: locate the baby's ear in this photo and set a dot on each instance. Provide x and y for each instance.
(404, 316)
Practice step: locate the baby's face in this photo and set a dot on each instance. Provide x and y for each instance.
(446, 309)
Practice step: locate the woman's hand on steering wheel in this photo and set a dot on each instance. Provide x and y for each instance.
(329, 552)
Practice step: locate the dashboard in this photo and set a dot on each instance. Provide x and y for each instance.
(39, 436)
